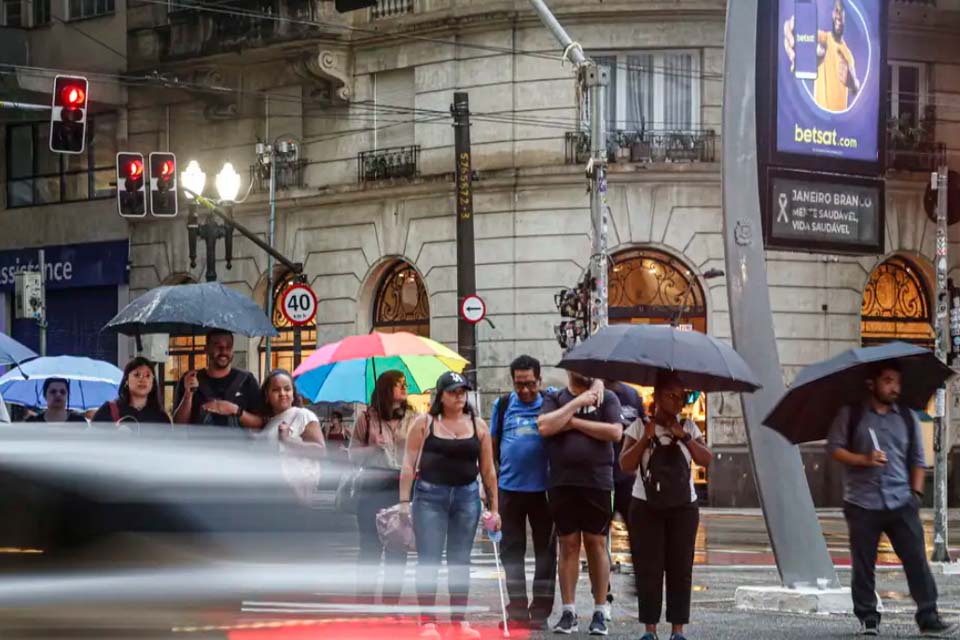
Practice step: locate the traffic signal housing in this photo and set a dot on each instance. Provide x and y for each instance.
(163, 184)
(130, 185)
(68, 114)
(344, 6)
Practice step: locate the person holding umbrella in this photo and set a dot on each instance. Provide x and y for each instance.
(56, 391)
(664, 516)
(377, 446)
(878, 440)
(138, 400)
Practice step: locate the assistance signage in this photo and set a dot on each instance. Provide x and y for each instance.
(824, 213)
(829, 84)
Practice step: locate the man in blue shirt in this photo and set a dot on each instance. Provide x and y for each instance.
(878, 441)
(519, 451)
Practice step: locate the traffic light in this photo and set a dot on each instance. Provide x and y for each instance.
(163, 184)
(343, 6)
(130, 191)
(68, 114)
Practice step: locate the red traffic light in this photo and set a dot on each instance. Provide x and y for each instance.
(73, 95)
(167, 168)
(135, 169)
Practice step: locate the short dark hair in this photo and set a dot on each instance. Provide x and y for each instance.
(888, 365)
(524, 363)
(336, 414)
(50, 381)
(213, 333)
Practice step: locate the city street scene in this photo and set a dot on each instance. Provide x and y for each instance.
(449, 319)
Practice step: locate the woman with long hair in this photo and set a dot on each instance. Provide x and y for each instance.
(664, 516)
(377, 446)
(139, 397)
(446, 451)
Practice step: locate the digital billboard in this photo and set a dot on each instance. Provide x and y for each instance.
(829, 82)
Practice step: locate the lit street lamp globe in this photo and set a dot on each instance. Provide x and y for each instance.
(228, 183)
(193, 178)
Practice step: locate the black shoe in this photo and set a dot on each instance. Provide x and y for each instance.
(568, 624)
(937, 628)
(598, 626)
(869, 627)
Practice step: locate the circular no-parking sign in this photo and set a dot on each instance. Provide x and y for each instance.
(299, 305)
(473, 309)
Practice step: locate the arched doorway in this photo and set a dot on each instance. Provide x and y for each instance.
(283, 348)
(401, 302)
(650, 286)
(896, 305)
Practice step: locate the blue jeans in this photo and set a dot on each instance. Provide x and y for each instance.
(445, 516)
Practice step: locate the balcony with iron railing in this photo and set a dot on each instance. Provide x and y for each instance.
(694, 145)
(387, 164)
(912, 144)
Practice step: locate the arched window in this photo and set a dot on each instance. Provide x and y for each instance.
(896, 305)
(649, 286)
(401, 303)
(283, 348)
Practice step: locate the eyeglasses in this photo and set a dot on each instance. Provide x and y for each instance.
(142, 376)
(525, 384)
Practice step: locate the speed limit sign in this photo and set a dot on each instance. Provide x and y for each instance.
(299, 305)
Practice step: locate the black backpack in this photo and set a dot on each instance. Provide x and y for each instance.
(666, 477)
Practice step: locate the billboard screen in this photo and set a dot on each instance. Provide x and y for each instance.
(829, 79)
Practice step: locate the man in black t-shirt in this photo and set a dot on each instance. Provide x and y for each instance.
(219, 395)
(580, 430)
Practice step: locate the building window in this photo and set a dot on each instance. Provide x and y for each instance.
(11, 13)
(186, 354)
(401, 303)
(36, 175)
(41, 12)
(908, 92)
(650, 90)
(896, 305)
(82, 9)
(283, 348)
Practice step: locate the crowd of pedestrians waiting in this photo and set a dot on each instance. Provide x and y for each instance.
(562, 462)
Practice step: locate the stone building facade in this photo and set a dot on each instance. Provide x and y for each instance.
(369, 206)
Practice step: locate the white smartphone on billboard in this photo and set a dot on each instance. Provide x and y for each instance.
(805, 39)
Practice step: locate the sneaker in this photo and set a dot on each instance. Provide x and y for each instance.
(608, 612)
(429, 632)
(464, 631)
(937, 628)
(869, 628)
(568, 624)
(598, 626)
(649, 636)
(678, 636)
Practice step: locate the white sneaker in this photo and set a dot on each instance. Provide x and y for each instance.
(608, 612)
(429, 632)
(464, 631)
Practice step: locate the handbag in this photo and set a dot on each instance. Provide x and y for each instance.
(353, 483)
(395, 530)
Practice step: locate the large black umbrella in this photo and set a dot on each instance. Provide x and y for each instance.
(185, 309)
(639, 352)
(805, 412)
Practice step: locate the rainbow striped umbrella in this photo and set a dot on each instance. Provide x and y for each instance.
(345, 371)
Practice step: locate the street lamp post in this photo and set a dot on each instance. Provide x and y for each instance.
(227, 182)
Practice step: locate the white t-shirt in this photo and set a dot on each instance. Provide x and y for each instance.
(297, 418)
(635, 431)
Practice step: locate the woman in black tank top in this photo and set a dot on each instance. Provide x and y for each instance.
(446, 450)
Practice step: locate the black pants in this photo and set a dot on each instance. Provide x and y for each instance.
(371, 549)
(662, 542)
(516, 508)
(905, 532)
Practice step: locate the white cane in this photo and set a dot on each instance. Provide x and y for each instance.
(503, 601)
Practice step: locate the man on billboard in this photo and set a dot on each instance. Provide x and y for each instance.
(821, 56)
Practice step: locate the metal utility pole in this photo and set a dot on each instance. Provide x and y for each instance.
(466, 261)
(940, 446)
(42, 319)
(592, 80)
(273, 218)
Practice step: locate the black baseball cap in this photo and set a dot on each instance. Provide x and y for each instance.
(450, 381)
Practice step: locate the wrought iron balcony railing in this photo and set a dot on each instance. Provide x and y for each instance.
(289, 175)
(391, 9)
(912, 144)
(647, 146)
(384, 164)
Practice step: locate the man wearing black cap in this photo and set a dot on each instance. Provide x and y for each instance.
(580, 428)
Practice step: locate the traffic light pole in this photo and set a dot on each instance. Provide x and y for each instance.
(594, 79)
(940, 446)
(23, 106)
(466, 262)
(273, 218)
(42, 320)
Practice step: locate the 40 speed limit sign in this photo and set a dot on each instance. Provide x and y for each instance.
(299, 305)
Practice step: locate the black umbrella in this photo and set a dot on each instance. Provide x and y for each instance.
(639, 352)
(805, 412)
(185, 309)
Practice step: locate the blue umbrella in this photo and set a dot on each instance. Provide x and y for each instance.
(92, 382)
(187, 309)
(12, 352)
